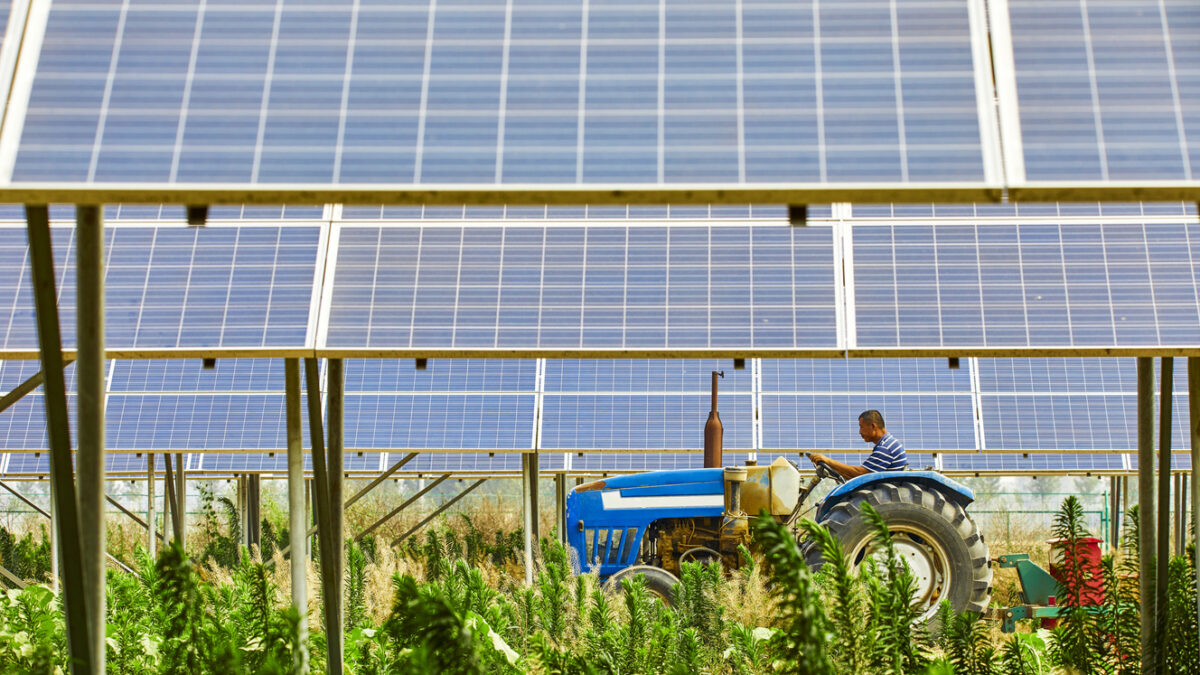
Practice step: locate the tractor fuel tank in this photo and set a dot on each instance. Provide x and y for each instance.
(775, 487)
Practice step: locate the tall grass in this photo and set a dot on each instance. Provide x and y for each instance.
(453, 600)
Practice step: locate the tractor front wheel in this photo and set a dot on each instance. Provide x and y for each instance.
(939, 541)
(659, 582)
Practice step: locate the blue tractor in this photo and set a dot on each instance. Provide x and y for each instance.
(649, 524)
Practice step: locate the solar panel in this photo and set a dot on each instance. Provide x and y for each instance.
(642, 421)
(1068, 404)
(1034, 463)
(910, 376)
(634, 376)
(1114, 99)
(528, 92)
(177, 287)
(435, 421)
(230, 422)
(583, 287)
(440, 375)
(646, 461)
(829, 421)
(1049, 285)
(189, 375)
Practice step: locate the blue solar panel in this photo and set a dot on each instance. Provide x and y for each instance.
(189, 375)
(231, 422)
(1114, 98)
(573, 287)
(644, 376)
(645, 421)
(629, 212)
(1034, 463)
(441, 375)
(825, 421)
(863, 375)
(502, 421)
(646, 461)
(177, 287)
(1026, 285)
(528, 92)
(1023, 209)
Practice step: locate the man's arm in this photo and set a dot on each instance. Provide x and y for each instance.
(847, 471)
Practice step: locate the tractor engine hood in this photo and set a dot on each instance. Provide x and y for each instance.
(775, 488)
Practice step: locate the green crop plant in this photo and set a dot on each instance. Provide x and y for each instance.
(801, 643)
(1077, 642)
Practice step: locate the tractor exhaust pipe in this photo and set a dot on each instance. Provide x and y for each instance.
(714, 433)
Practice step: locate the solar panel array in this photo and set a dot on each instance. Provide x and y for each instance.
(1071, 415)
(648, 94)
(518, 92)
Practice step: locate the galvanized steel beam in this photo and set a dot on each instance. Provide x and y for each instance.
(1146, 510)
(335, 468)
(392, 514)
(1193, 366)
(297, 504)
(1163, 554)
(331, 584)
(438, 511)
(58, 425)
(91, 388)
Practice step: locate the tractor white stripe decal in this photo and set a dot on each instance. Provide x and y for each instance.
(613, 499)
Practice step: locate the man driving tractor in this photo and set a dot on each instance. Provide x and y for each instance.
(887, 455)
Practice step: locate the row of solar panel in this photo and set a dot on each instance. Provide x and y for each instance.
(177, 214)
(368, 464)
(920, 284)
(1086, 405)
(583, 92)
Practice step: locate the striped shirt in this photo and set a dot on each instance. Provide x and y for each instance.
(888, 455)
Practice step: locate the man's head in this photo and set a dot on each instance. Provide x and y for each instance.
(870, 426)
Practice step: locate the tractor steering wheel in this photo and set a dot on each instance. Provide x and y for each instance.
(826, 471)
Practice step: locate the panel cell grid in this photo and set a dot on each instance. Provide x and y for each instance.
(1115, 97)
(528, 92)
(580, 287)
(176, 287)
(1026, 285)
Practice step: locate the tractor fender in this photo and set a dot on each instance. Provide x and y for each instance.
(954, 491)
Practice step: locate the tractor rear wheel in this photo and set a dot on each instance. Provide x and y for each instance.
(936, 537)
(659, 582)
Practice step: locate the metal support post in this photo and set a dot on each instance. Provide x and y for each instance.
(151, 516)
(297, 504)
(181, 500)
(58, 425)
(1163, 555)
(254, 511)
(286, 550)
(90, 384)
(438, 511)
(171, 504)
(1179, 515)
(336, 467)
(560, 507)
(331, 584)
(529, 488)
(240, 482)
(1193, 367)
(1114, 502)
(1146, 508)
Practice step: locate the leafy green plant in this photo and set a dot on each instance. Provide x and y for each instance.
(800, 644)
(1077, 642)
